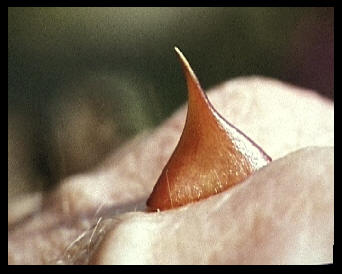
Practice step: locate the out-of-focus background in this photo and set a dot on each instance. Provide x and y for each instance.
(81, 81)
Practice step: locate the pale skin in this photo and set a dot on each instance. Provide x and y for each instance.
(282, 214)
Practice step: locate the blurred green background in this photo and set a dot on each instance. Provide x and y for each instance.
(81, 81)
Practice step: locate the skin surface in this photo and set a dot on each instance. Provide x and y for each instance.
(281, 214)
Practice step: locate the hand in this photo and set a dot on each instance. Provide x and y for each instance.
(281, 214)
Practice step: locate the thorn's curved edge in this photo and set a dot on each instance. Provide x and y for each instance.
(187, 68)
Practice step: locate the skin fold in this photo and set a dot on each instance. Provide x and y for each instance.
(281, 214)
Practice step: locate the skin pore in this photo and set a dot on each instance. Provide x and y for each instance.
(251, 224)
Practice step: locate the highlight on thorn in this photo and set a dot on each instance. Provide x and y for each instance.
(211, 156)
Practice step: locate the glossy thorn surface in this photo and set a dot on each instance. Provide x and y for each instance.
(210, 157)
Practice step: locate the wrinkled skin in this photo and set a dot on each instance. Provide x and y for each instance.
(282, 214)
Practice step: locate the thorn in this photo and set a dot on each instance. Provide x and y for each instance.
(208, 142)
